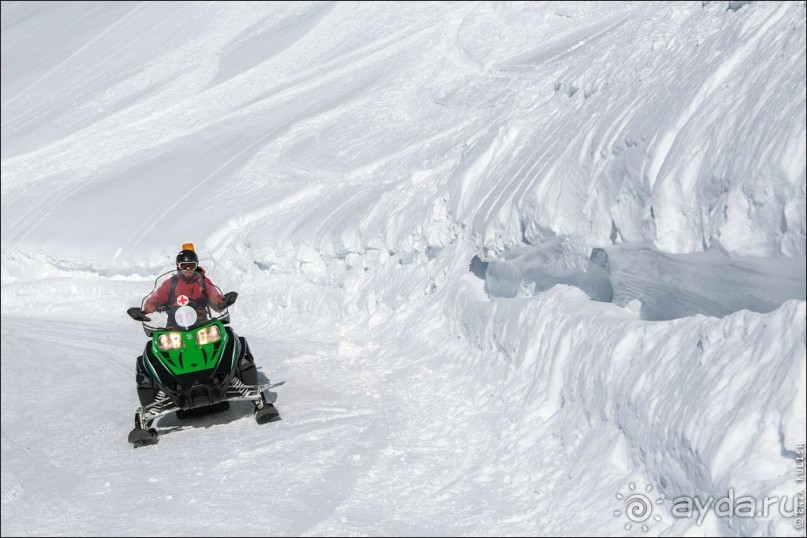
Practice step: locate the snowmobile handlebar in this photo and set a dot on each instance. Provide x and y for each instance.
(136, 314)
(229, 298)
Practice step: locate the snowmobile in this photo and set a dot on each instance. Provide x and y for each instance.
(194, 363)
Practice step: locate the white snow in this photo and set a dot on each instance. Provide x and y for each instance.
(508, 259)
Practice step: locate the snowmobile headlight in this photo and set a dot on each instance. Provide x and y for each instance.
(208, 335)
(168, 341)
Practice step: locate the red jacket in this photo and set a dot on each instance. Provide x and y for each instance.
(190, 287)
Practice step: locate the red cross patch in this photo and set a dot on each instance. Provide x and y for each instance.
(182, 300)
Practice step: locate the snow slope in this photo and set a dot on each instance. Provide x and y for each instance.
(508, 259)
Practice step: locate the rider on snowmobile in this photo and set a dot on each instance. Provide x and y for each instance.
(188, 286)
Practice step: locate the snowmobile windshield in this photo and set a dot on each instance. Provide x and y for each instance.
(182, 300)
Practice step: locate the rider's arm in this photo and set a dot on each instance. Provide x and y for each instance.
(157, 298)
(214, 295)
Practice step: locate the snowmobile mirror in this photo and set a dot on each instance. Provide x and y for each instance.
(229, 298)
(136, 314)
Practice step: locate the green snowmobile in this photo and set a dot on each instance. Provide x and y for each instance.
(194, 363)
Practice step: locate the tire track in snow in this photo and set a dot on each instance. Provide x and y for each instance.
(58, 66)
(712, 83)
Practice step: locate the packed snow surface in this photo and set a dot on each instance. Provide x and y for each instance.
(514, 263)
